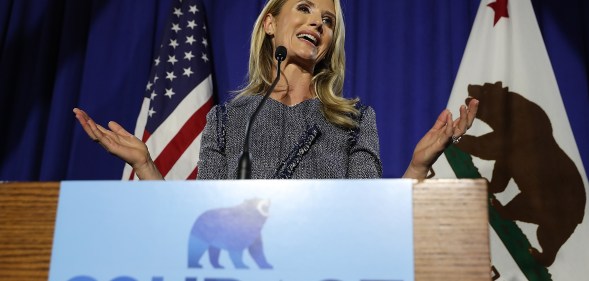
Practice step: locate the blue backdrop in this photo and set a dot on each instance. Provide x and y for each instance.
(402, 58)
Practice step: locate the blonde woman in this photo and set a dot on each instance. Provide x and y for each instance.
(306, 128)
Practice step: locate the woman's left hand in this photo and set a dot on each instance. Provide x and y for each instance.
(444, 132)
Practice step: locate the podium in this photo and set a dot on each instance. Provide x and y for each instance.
(450, 220)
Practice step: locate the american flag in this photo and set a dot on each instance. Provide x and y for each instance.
(178, 95)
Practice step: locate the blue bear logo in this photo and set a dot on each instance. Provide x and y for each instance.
(233, 229)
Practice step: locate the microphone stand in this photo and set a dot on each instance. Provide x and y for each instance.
(244, 166)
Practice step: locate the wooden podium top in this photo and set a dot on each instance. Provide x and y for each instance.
(451, 235)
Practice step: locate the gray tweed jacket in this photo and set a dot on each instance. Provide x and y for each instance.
(288, 142)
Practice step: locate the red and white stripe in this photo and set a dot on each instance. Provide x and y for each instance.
(175, 144)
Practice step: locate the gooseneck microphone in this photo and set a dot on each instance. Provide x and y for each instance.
(244, 166)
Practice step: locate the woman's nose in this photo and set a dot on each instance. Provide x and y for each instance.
(317, 22)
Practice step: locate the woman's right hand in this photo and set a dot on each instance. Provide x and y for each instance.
(122, 144)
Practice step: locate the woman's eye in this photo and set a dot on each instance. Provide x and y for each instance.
(328, 21)
(304, 8)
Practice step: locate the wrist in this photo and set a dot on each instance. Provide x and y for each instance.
(147, 170)
(416, 171)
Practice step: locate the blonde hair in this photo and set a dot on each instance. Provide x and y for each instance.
(328, 76)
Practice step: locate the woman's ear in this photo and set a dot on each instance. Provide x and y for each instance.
(269, 24)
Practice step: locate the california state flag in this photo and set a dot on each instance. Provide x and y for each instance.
(523, 144)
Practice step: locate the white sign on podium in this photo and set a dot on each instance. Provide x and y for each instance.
(250, 230)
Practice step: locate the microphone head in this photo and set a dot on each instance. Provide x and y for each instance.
(280, 54)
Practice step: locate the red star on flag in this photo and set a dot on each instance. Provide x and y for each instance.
(500, 8)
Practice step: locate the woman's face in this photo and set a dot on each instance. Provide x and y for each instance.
(305, 28)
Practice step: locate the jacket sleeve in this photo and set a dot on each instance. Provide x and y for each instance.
(212, 163)
(364, 159)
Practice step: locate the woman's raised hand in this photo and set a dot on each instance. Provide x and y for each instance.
(435, 141)
(117, 141)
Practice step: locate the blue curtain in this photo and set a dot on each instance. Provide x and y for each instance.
(402, 58)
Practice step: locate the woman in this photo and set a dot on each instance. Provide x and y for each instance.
(306, 129)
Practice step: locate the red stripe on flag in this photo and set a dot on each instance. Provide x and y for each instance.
(192, 175)
(146, 136)
(189, 131)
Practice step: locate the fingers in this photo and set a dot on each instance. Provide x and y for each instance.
(443, 128)
(123, 136)
(442, 120)
(81, 116)
(467, 116)
(445, 131)
(449, 130)
(473, 107)
(441, 138)
(86, 122)
(118, 129)
(100, 133)
(96, 132)
(460, 124)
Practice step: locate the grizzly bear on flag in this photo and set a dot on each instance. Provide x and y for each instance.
(524, 149)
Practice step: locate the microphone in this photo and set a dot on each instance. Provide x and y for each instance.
(244, 166)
